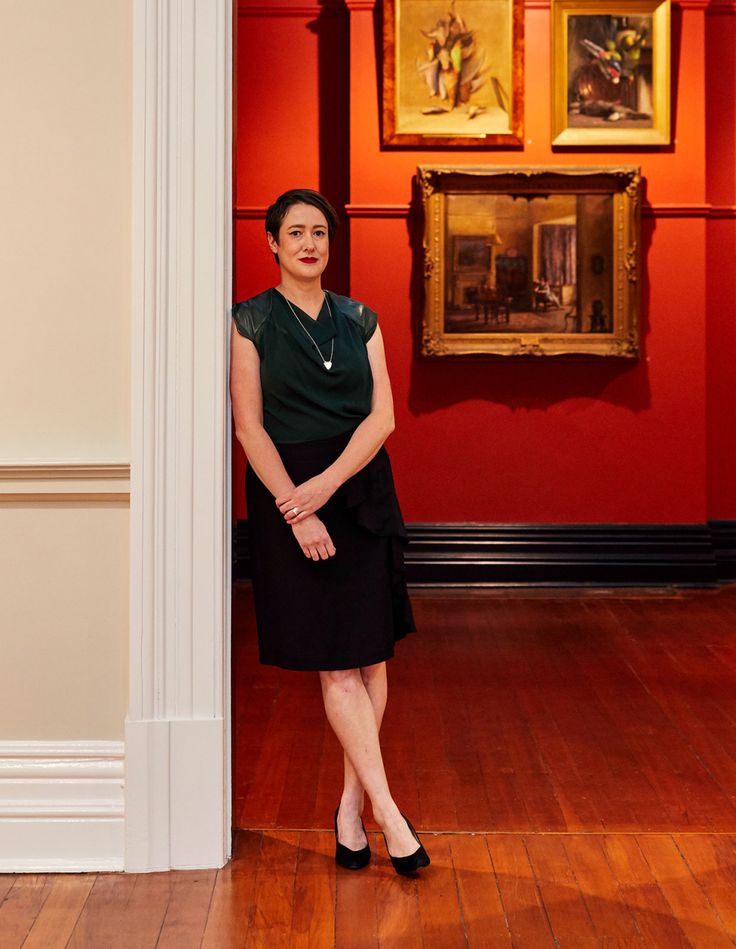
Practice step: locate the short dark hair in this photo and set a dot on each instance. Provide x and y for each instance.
(277, 211)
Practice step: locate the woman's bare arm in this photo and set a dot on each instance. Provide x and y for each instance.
(365, 442)
(247, 399)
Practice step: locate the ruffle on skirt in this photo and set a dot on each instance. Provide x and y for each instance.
(370, 495)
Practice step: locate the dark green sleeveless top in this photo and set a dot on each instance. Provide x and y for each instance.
(303, 401)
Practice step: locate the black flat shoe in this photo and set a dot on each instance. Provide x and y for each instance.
(413, 861)
(351, 859)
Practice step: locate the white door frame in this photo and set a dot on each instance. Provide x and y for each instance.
(177, 736)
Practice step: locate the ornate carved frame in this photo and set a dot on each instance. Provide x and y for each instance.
(623, 182)
(389, 133)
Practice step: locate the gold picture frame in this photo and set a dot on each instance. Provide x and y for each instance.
(453, 73)
(610, 72)
(563, 246)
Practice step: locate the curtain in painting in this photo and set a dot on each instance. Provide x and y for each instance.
(557, 253)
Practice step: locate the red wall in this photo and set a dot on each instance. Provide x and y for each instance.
(549, 440)
(721, 260)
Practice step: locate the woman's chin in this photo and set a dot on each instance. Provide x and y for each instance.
(309, 270)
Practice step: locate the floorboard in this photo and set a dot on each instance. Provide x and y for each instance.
(569, 758)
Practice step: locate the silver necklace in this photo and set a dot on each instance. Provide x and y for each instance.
(327, 363)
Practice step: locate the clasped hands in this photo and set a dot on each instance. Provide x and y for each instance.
(299, 506)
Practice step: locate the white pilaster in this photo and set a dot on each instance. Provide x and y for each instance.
(177, 730)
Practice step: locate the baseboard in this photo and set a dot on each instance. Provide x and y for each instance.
(62, 806)
(724, 543)
(500, 555)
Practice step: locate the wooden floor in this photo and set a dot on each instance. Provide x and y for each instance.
(569, 758)
(517, 713)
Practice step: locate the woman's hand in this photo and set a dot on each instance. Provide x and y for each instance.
(311, 535)
(305, 499)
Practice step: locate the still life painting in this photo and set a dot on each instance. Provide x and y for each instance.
(530, 261)
(611, 73)
(453, 72)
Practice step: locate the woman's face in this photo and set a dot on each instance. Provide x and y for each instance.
(303, 244)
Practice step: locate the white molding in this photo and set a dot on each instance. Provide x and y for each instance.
(177, 728)
(64, 480)
(62, 806)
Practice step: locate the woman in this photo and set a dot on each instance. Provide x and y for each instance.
(312, 407)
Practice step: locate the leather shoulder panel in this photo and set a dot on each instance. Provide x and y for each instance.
(250, 315)
(357, 312)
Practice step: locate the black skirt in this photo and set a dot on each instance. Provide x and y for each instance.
(343, 612)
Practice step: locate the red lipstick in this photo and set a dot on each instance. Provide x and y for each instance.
(308, 260)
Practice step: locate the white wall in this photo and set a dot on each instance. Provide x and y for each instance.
(64, 595)
(65, 297)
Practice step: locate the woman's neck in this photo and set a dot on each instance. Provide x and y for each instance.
(306, 294)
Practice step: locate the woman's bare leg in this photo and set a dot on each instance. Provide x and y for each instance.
(352, 802)
(350, 712)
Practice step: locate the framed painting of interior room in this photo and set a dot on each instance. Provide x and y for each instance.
(453, 72)
(530, 261)
(610, 72)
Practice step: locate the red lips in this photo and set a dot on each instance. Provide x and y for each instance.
(308, 260)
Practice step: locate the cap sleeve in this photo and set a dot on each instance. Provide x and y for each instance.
(370, 322)
(243, 318)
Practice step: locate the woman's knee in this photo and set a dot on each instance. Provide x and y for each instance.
(376, 671)
(344, 679)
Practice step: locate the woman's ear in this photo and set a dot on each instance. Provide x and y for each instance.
(272, 242)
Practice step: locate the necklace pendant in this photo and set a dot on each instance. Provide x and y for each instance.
(327, 363)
